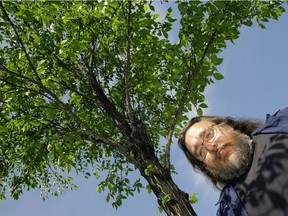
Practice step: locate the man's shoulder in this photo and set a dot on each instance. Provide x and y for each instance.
(267, 179)
(277, 123)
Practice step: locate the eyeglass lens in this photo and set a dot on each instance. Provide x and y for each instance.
(208, 137)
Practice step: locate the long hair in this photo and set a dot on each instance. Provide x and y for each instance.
(245, 126)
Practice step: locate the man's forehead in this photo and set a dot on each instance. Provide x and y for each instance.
(198, 127)
(195, 131)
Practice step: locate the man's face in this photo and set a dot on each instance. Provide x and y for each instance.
(225, 152)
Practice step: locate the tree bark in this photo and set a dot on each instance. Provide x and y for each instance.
(162, 185)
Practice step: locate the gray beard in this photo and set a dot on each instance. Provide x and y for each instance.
(240, 163)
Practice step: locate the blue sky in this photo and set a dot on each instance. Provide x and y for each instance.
(256, 83)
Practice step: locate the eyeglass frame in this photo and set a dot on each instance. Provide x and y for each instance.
(210, 140)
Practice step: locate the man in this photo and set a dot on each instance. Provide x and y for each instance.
(248, 160)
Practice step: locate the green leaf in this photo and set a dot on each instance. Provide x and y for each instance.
(149, 169)
(218, 76)
(199, 112)
(148, 188)
(193, 198)
(203, 105)
(156, 16)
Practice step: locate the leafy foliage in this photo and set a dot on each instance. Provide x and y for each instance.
(91, 87)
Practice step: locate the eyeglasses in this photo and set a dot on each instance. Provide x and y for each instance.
(209, 135)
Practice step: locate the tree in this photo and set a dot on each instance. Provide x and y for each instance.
(91, 87)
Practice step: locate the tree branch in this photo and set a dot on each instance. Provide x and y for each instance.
(54, 98)
(106, 104)
(102, 102)
(191, 77)
(127, 67)
(19, 75)
(20, 41)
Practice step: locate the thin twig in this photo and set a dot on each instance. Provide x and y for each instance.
(127, 66)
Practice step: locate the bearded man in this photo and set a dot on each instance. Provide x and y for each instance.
(246, 159)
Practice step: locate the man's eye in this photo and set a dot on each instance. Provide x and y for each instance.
(209, 135)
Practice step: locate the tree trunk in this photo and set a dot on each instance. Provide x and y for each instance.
(160, 180)
(173, 201)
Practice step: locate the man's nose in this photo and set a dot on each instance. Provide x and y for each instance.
(210, 146)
